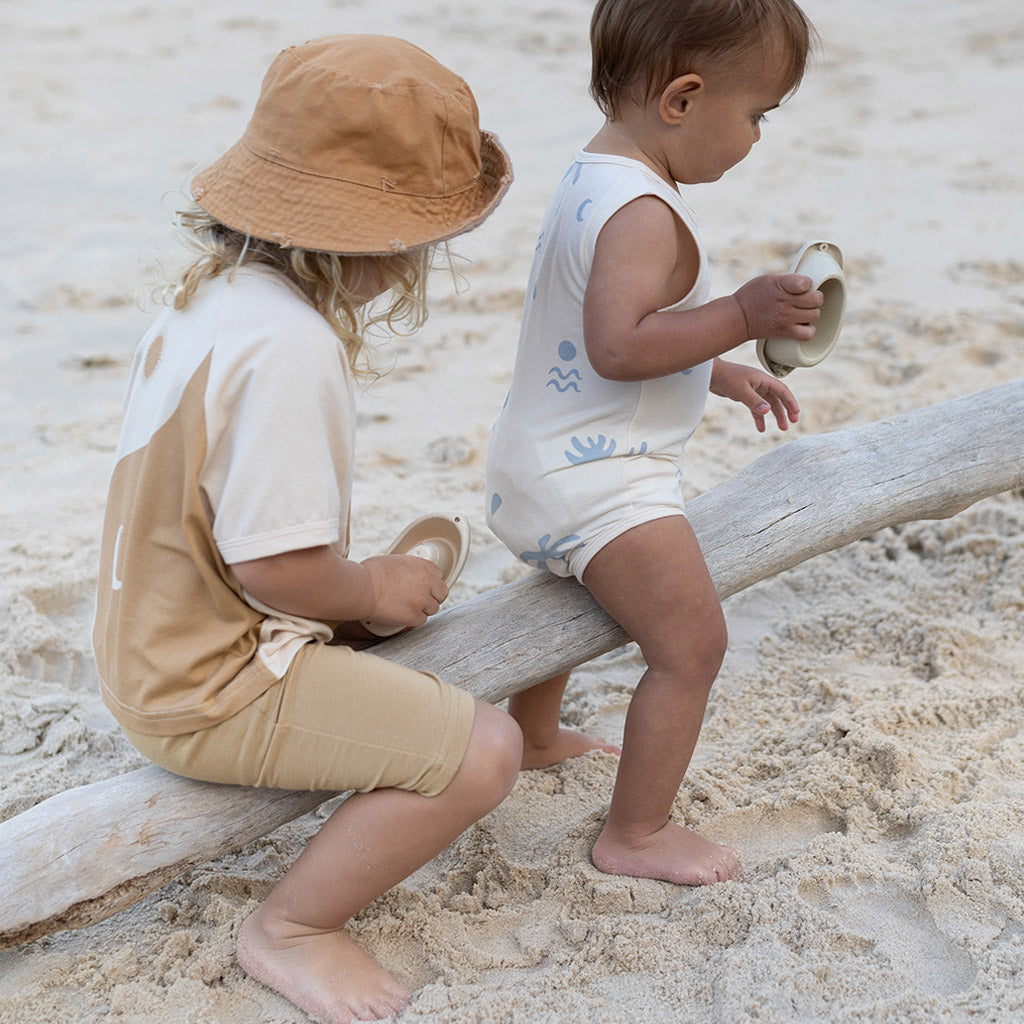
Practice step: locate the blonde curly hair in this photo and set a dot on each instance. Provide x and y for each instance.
(328, 280)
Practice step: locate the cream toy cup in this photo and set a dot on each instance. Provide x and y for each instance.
(822, 262)
(441, 538)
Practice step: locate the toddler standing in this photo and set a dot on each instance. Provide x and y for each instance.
(618, 348)
(226, 594)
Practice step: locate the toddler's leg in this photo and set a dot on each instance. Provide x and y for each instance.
(296, 941)
(653, 581)
(545, 740)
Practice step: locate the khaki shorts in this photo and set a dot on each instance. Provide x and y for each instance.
(338, 720)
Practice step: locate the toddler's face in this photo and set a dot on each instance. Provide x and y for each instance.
(726, 121)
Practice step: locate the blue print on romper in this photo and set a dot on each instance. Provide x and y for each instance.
(592, 450)
(602, 448)
(581, 208)
(574, 169)
(540, 243)
(495, 502)
(557, 552)
(569, 379)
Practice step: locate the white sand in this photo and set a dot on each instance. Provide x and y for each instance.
(863, 746)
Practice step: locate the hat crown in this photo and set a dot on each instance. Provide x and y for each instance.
(377, 112)
(358, 145)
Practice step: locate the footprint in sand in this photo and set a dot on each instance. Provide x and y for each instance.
(768, 835)
(901, 929)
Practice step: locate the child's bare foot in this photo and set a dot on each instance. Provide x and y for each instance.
(564, 744)
(672, 854)
(323, 973)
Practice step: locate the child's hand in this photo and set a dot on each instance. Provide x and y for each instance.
(780, 306)
(759, 392)
(407, 590)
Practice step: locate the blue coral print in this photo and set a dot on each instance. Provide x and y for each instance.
(602, 448)
(550, 552)
(591, 450)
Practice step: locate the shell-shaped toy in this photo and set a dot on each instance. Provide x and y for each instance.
(440, 537)
(822, 262)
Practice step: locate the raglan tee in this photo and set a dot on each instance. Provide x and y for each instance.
(236, 444)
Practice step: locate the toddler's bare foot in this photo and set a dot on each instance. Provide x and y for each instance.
(672, 854)
(323, 973)
(564, 744)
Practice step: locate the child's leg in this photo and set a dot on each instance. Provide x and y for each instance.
(653, 581)
(296, 942)
(545, 740)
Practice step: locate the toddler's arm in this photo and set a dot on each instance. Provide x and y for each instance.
(760, 393)
(643, 263)
(318, 583)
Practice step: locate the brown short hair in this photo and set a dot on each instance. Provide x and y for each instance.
(650, 42)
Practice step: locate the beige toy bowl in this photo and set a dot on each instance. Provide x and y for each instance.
(441, 538)
(822, 262)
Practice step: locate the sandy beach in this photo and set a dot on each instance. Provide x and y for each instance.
(863, 745)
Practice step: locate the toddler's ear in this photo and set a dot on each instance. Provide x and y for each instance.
(677, 97)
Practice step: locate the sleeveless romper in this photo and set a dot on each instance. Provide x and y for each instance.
(575, 459)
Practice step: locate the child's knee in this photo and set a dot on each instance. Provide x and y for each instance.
(712, 643)
(716, 636)
(691, 648)
(495, 751)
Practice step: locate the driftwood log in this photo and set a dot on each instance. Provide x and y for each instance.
(82, 855)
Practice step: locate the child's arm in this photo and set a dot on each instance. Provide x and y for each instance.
(641, 264)
(760, 393)
(318, 583)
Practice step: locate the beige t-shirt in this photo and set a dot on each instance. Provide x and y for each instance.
(237, 444)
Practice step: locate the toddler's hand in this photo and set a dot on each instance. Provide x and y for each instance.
(761, 394)
(407, 589)
(780, 306)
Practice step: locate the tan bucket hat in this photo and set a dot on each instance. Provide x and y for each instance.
(358, 144)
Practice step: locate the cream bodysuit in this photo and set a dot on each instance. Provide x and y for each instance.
(576, 459)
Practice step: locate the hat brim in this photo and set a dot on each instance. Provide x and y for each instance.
(294, 209)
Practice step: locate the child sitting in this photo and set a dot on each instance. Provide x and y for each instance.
(226, 594)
